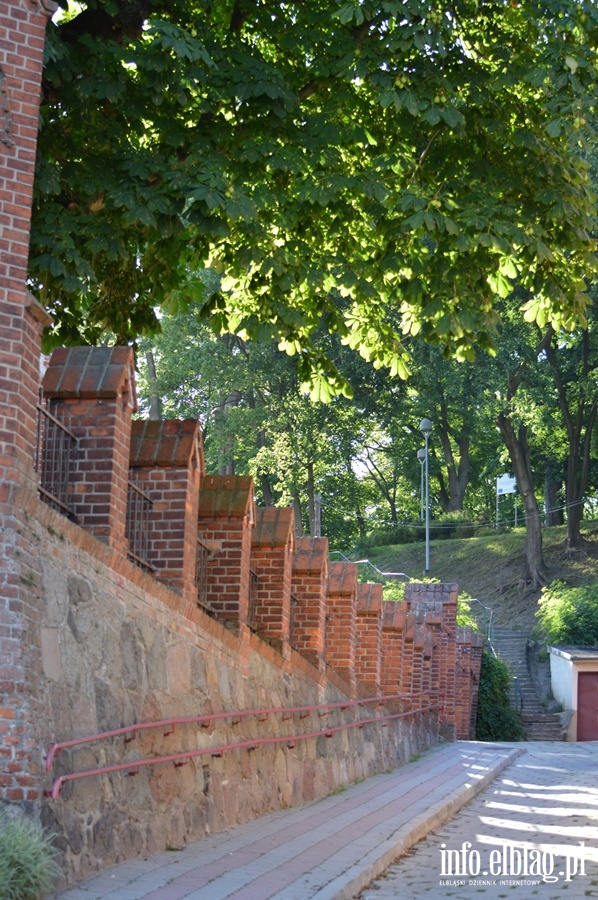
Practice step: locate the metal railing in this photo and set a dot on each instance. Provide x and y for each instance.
(131, 767)
(55, 448)
(516, 695)
(139, 508)
(486, 614)
(369, 566)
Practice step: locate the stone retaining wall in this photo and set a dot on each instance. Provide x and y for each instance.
(116, 648)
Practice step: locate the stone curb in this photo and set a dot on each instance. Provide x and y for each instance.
(346, 886)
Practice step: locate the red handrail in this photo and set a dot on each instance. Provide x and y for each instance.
(181, 758)
(205, 720)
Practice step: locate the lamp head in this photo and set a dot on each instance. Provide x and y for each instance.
(425, 426)
(421, 454)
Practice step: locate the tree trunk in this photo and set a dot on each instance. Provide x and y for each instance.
(388, 490)
(297, 515)
(552, 485)
(458, 474)
(579, 423)
(311, 499)
(266, 490)
(534, 572)
(155, 408)
(264, 477)
(227, 463)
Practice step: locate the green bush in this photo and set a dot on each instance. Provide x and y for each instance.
(388, 537)
(394, 591)
(569, 615)
(465, 615)
(496, 719)
(452, 525)
(28, 867)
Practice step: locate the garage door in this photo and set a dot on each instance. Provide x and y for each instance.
(587, 706)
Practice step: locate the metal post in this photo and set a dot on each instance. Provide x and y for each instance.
(421, 455)
(427, 569)
(426, 428)
(497, 497)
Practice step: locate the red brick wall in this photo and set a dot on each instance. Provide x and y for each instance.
(167, 463)
(368, 652)
(394, 619)
(225, 521)
(308, 613)
(341, 627)
(22, 29)
(441, 600)
(477, 645)
(272, 553)
(91, 390)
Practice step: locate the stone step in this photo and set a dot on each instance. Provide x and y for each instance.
(546, 719)
(543, 736)
(511, 646)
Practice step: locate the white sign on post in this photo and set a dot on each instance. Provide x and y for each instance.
(505, 484)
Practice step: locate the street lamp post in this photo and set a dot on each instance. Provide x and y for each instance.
(421, 455)
(425, 426)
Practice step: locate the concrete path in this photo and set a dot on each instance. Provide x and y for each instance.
(329, 849)
(543, 809)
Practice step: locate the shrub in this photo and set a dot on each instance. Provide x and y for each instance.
(28, 867)
(569, 615)
(389, 537)
(452, 525)
(496, 719)
(465, 615)
(394, 591)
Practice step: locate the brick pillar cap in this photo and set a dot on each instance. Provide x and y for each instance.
(464, 634)
(369, 598)
(167, 443)
(394, 615)
(428, 594)
(90, 373)
(342, 581)
(46, 6)
(274, 526)
(37, 311)
(226, 496)
(311, 555)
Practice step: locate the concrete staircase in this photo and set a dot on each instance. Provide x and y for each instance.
(510, 644)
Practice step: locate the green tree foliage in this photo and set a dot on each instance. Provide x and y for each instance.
(256, 421)
(412, 158)
(496, 719)
(573, 361)
(569, 615)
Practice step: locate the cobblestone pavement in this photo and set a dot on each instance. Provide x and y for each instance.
(532, 833)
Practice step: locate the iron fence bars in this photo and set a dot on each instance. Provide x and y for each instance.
(203, 555)
(292, 627)
(139, 508)
(253, 589)
(55, 449)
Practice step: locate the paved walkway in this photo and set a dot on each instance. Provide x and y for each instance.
(329, 849)
(534, 818)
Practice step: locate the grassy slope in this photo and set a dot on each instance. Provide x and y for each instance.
(490, 567)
